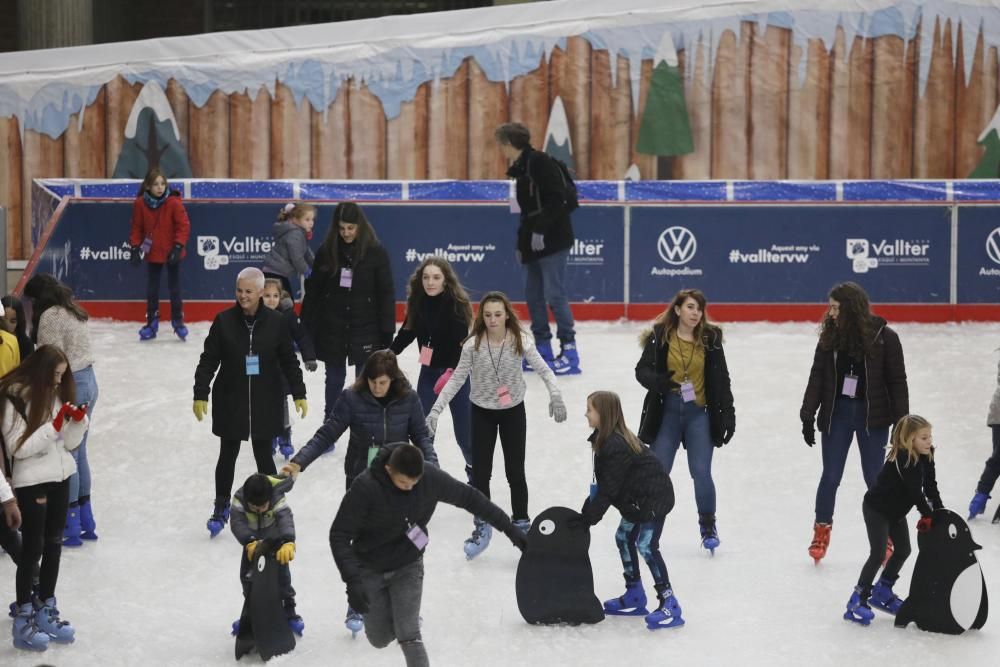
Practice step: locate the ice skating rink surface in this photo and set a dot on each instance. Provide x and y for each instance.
(154, 590)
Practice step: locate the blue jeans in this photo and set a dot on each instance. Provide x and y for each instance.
(545, 284)
(846, 422)
(460, 415)
(86, 392)
(635, 539)
(336, 374)
(688, 423)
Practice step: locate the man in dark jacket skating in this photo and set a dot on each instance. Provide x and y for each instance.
(544, 239)
(252, 350)
(379, 535)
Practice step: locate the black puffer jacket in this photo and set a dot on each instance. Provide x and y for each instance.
(902, 485)
(886, 395)
(651, 372)
(540, 193)
(634, 483)
(369, 530)
(350, 323)
(248, 407)
(371, 424)
(438, 324)
(297, 330)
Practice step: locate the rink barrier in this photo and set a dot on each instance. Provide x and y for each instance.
(761, 250)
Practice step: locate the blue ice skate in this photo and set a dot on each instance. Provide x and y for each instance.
(148, 332)
(568, 361)
(219, 518)
(978, 504)
(858, 610)
(883, 598)
(48, 621)
(632, 603)
(479, 540)
(180, 329)
(709, 533)
(354, 622)
(27, 635)
(667, 615)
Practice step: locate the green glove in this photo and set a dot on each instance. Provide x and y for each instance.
(200, 409)
(302, 407)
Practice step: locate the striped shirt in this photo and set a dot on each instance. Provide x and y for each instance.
(491, 368)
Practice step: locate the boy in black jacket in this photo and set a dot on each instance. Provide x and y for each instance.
(906, 480)
(379, 535)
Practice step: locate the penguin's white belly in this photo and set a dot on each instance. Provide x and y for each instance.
(966, 596)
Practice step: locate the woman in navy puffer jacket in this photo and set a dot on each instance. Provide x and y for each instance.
(380, 408)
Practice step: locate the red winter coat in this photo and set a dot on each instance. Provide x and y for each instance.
(167, 224)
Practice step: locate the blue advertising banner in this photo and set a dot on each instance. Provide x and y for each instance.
(773, 254)
(979, 254)
(89, 249)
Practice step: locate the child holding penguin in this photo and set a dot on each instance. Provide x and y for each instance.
(907, 479)
(628, 475)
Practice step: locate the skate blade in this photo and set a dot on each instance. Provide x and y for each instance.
(884, 610)
(635, 611)
(675, 623)
(848, 616)
(23, 645)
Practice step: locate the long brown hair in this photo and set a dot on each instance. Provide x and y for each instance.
(903, 436)
(513, 324)
(612, 420)
(383, 362)
(668, 320)
(32, 383)
(415, 291)
(852, 331)
(45, 292)
(350, 213)
(151, 177)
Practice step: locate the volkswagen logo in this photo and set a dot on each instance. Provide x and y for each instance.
(993, 245)
(677, 245)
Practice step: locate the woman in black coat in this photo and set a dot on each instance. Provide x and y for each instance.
(350, 305)
(381, 407)
(630, 477)
(689, 399)
(251, 348)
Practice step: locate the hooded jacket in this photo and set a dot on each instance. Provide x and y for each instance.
(275, 524)
(369, 531)
(886, 396)
(290, 254)
(45, 454)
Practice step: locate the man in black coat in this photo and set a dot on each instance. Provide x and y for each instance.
(544, 239)
(379, 535)
(252, 350)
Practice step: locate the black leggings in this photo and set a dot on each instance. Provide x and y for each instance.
(225, 469)
(512, 425)
(992, 468)
(880, 529)
(10, 541)
(43, 517)
(173, 288)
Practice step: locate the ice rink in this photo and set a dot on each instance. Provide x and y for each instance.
(155, 590)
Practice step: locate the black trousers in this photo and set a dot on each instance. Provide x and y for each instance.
(880, 529)
(512, 426)
(154, 271)
(992, 468)
(43, 518)
(225, 468)
(10, 541)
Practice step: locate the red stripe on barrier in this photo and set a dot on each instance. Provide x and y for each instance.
(29, 268)
(202, 311)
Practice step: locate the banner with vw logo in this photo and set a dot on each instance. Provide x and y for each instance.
(784, 254)
(979, 254)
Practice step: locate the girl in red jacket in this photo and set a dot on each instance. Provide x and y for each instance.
(160, 230)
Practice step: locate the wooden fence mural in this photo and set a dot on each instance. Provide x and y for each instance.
(760, 107)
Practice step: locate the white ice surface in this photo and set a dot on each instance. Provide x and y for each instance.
(156, 591)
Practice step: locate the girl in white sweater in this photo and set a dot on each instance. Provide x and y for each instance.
(59, 320)
(40, 426)
(492, 354)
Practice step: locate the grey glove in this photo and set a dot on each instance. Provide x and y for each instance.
(432, 423)
(537, 242)
(557, 409)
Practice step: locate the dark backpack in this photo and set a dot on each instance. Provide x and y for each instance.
(570, 196)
